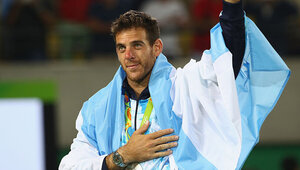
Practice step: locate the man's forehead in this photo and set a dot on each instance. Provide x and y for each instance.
(131, 34)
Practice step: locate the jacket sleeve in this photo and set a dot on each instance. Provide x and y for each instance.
(232, 23)
(83, 155)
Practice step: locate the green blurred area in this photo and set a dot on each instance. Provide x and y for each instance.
(44, 90)
(271, 157)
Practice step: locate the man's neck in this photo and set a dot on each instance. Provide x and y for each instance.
(138, 87)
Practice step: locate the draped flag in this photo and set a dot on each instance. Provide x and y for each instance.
(216, 117)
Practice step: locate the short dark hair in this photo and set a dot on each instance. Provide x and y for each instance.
(136, 19)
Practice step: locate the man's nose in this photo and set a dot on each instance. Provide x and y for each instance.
(128, 53)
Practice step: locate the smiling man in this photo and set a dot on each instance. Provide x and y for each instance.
(137, 56)
(206, 115)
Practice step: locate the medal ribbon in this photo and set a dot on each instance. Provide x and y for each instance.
(128, 126)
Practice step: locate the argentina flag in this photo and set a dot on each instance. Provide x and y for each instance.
(221, 116)
(216, 116)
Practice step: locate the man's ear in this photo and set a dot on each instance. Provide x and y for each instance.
(157, 47)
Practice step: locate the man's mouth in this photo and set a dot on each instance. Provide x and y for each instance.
(132, 66)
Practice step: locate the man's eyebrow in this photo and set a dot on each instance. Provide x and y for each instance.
(138, 42)
(133, 42)
(119, 44)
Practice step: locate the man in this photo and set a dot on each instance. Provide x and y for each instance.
(152, 116)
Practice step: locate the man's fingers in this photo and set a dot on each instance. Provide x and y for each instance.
(161, 133)
(143, 128)
(162, 154)
(165, 146)
(166, 139)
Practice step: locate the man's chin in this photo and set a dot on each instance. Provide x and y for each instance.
(138, 78)
(134, 79)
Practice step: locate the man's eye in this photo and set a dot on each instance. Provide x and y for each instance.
(138, 45)
(121, 48)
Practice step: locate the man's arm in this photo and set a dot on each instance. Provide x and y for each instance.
(232, 23)
(139, 148)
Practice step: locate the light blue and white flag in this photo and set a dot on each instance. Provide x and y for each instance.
(221, 117)
(216, 117)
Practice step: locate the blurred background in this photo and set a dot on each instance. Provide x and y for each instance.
(60, 52)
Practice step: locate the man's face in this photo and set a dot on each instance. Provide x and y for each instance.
(136, 55)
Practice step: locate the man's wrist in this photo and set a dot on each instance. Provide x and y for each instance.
(110, 164)
(124, 154)
(118, 160)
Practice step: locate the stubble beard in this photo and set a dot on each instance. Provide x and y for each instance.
(144, 78)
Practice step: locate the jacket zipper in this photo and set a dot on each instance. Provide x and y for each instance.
(136, 110)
